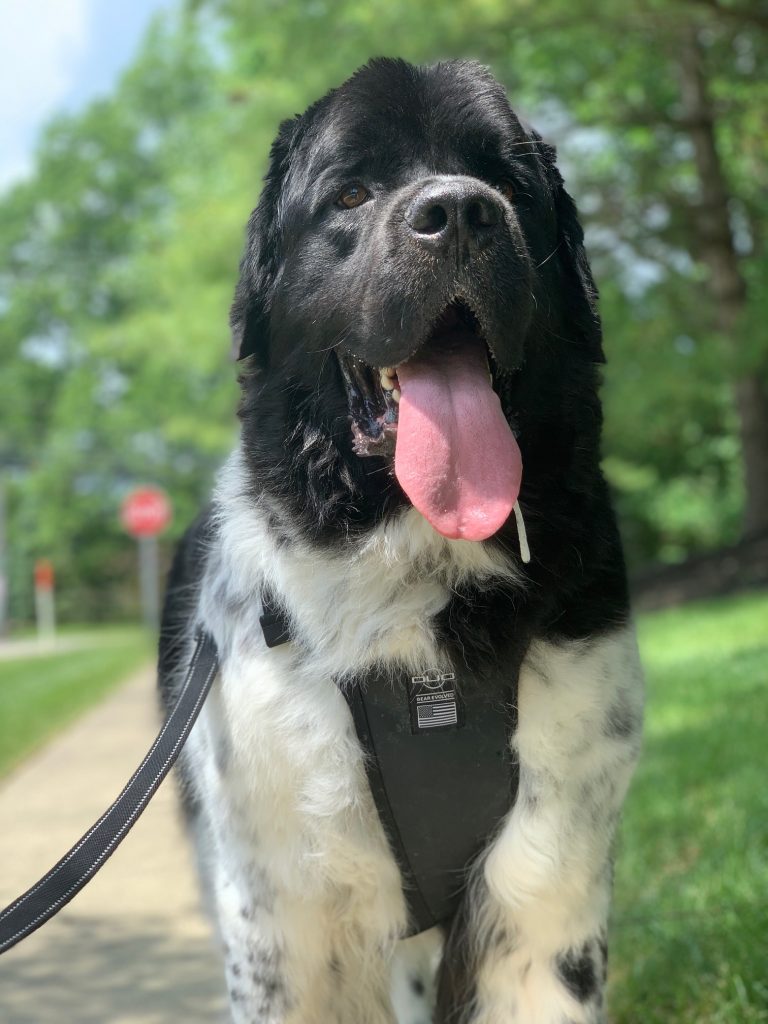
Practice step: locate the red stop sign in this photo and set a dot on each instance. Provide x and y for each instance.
(145, 512)
(44, 574)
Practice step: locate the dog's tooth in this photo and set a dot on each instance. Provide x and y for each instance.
(396, 395)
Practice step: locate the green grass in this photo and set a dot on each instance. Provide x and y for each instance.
(40, 694)
(690, 926)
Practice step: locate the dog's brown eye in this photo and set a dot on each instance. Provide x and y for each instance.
(507, 189)
(352, 196)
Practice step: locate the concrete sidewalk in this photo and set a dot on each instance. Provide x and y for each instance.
(133, 947)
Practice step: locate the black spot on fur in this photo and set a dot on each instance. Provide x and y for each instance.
(223, 754)
(501, 941)
(620, 722)
(417, 986)
(263, 891)
(577, 972)
(602, 946)
(268, 984)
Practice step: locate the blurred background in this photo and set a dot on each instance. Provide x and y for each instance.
(132, 141)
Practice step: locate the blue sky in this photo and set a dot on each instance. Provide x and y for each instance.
(57, 55)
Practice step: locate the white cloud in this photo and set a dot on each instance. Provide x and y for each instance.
(41, 42)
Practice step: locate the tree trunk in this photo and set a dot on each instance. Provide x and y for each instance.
(718, 253)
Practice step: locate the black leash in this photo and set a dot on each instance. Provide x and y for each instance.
(45, 899)
(437, 763)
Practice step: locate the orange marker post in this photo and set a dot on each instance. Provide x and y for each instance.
(45, 603)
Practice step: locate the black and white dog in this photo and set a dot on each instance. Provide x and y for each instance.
(420, 390)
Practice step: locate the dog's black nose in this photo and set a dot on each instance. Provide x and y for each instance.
(455, 211)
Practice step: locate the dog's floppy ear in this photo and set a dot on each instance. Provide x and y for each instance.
(580, 290)
(249, 314)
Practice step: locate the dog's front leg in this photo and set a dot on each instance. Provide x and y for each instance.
(530, 944)
(253, 944)
(311, 957)
(307, 894)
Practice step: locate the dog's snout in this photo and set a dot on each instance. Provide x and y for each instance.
(461, 212)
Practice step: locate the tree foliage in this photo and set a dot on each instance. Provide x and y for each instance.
(118, 255)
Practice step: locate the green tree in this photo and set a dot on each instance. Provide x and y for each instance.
(107, 321)
(118, 256)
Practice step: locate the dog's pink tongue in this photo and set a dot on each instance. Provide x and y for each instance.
(456, 457)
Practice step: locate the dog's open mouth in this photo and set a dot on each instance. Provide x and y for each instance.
(374, 392)
(455, 454)
(373, 396)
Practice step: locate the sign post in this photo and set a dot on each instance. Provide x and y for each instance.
(45, 608)
(145, 513)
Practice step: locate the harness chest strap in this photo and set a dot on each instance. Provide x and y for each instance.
(439, 768)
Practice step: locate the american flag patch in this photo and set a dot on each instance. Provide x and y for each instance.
(434, 702)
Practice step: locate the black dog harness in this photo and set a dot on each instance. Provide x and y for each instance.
(439, 767)
(438, 764)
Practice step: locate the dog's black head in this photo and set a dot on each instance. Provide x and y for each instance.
(414, 284)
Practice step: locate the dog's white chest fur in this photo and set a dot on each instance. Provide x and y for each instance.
(370, 602)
